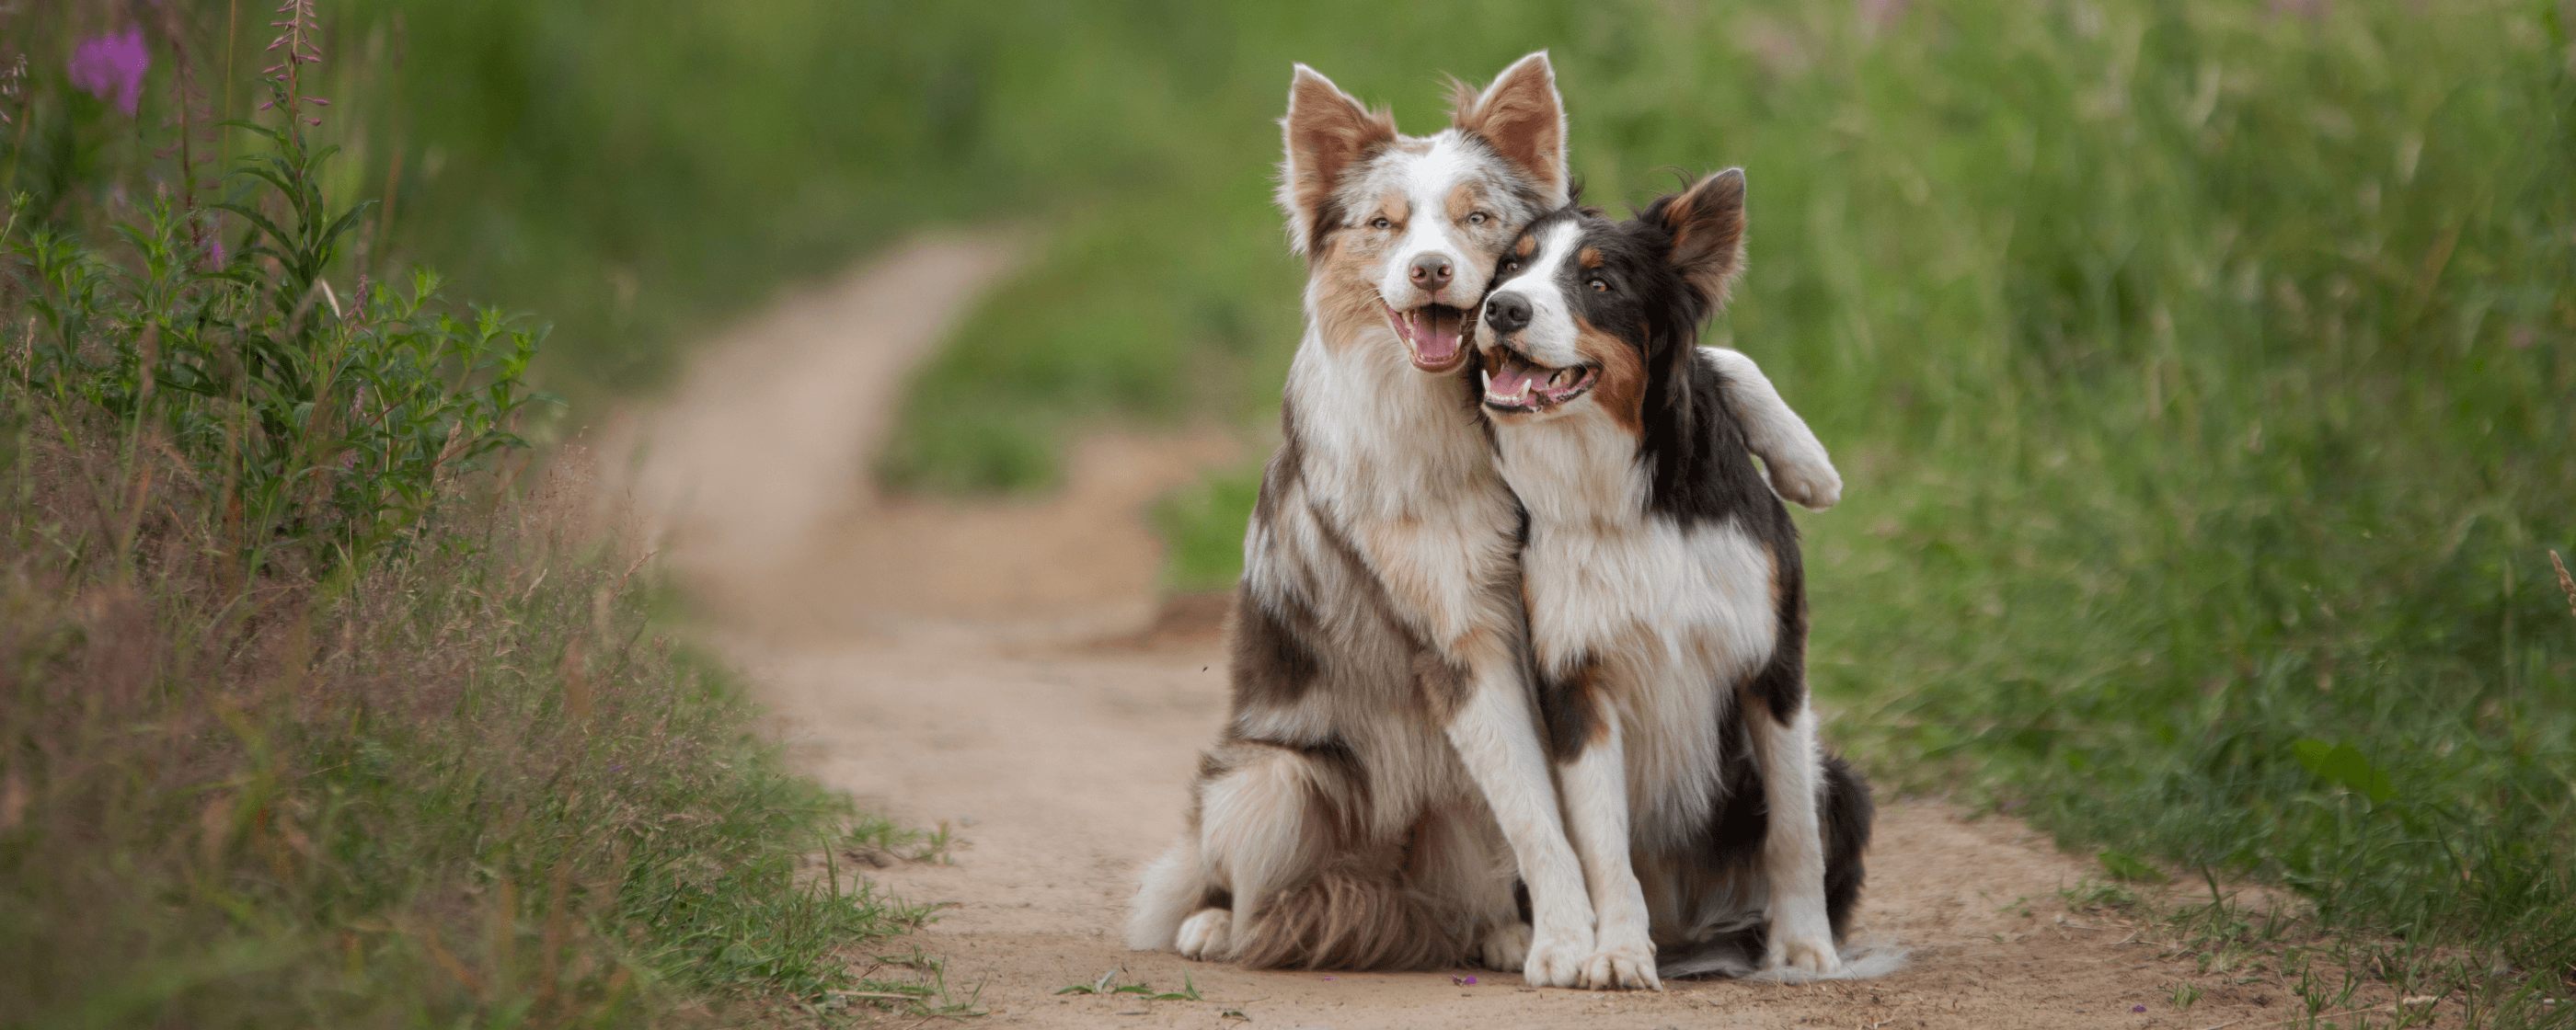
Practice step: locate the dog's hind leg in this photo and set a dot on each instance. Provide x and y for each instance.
(1793, 845)
(1252, 840)
(1173, 889)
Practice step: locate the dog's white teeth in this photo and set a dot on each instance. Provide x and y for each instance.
(1489, 380)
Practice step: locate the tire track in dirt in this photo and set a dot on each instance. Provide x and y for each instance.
(948, 664)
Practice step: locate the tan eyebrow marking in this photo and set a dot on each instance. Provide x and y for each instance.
(1527, 246)
(1590, 257)
(1463, 201)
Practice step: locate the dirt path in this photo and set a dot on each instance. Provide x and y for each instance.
(948, 664)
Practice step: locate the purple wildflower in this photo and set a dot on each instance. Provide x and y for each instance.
(2137, 1008)
(113, 63)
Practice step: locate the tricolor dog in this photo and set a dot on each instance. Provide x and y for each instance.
(1381, 776)
(1667, 615)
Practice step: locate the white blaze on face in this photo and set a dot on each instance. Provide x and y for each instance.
(1427, 182)
(1549, 338)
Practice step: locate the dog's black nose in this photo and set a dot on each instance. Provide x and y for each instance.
(1507, 312)
(1430, 271)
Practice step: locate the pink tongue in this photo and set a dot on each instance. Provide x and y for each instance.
(1435, 338)
(1517, 378)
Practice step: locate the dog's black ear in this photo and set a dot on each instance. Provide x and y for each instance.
(1707, 227)
(1523, 119)
(1327, 132)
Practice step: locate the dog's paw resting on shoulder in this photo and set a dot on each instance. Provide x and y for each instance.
(1207, 936)
(1806, 480)
(1556, 961)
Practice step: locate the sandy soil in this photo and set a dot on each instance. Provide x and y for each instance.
(988, 667)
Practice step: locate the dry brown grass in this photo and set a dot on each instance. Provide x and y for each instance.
(472, 783)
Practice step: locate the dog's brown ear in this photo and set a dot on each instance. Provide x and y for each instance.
(1707, 224)
(1327, 132)
(1523, 119)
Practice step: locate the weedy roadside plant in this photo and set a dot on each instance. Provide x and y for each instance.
(329, 418)
(308, 718)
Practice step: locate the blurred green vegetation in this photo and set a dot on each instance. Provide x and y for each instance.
(2204, 373)
(313, 712)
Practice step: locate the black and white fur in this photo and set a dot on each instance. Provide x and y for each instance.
(1382, 777)
(1667, 611)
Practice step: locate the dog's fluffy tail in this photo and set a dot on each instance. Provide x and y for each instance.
(1350, 915)
(1172, 889)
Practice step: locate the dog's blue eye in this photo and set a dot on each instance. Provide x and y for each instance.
(1476, 218)
(1381, 224)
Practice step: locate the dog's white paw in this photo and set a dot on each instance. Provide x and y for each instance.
(1808, 482)
(1812, 954)
(1207, 936)
(1622, 967)
(1506, 946)
(1556, 960)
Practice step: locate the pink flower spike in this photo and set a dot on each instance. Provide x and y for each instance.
(113, 64)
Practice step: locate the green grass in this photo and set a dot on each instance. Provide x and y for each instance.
(314, 709)
(479, 786)
(2202, 372)
(2204, 376)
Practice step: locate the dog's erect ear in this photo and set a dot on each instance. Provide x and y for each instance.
(1327, 132)
(1523, 119)
(1707, 223)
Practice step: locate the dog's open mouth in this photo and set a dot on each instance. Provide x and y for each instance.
(1433, 333)
(1514, 383)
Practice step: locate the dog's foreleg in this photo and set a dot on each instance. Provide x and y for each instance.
(1793, 847)
(1496, 736)
(1801, 471)
(1596, 803)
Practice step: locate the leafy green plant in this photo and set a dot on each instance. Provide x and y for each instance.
(306, 718)
(330, 416)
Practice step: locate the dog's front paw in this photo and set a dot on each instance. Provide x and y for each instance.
(1812, 954)
(1556, 960)
(1207, 936)
(1808, 482)
(1506, 946)
(1624, 967)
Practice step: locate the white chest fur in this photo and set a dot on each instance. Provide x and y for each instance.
(1673, 617)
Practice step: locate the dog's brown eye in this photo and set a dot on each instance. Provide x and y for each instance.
(1511, 266)
(1381, 224)
(1600, 287)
